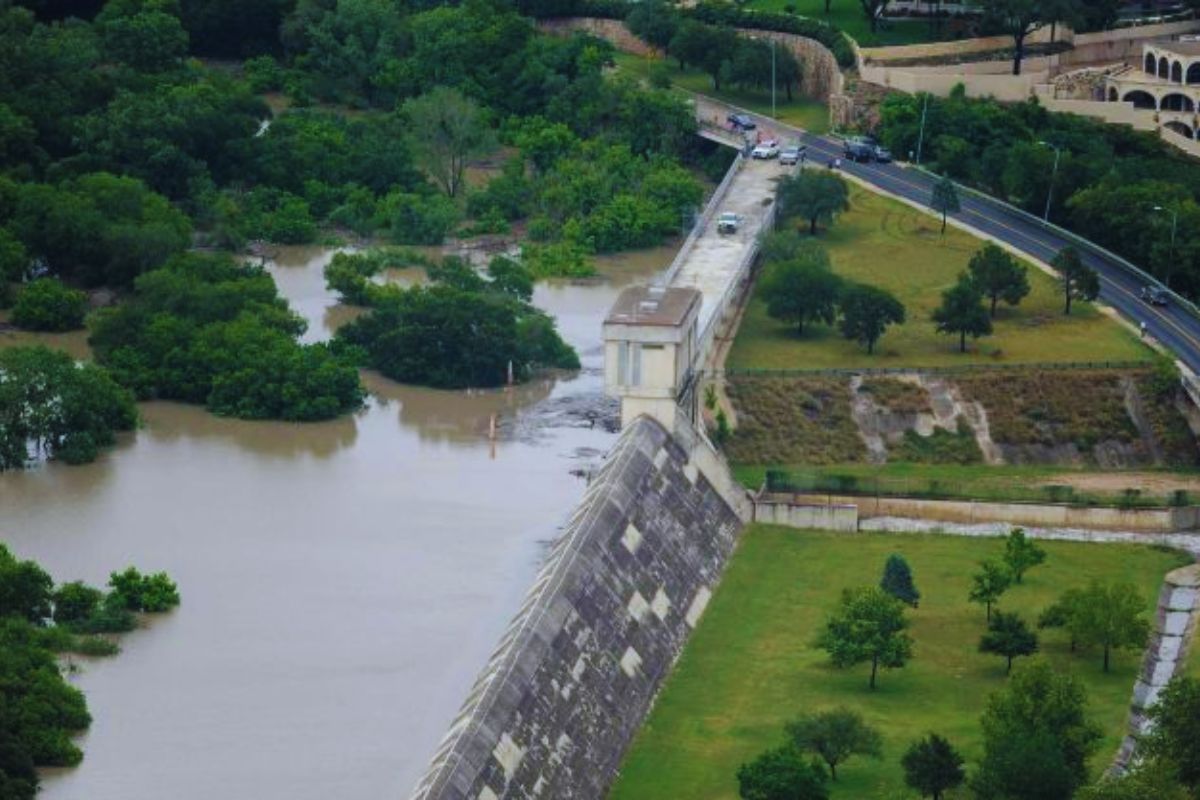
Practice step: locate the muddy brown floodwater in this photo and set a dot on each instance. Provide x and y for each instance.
(342, 582)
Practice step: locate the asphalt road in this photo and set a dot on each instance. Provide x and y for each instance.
(1173, 326)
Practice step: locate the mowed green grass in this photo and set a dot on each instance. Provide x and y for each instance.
(848, 15)
(885, 243)
(801, 112)
(751, 665)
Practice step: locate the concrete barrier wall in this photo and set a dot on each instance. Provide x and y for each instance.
(1154, 520)
(1008, 88)
(578, 669)
(1116, 113)
(816, 516)
(962, 47)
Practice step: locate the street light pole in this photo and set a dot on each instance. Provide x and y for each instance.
(1053, 175)
(772, 77)
(921, 136)
(1171, 251)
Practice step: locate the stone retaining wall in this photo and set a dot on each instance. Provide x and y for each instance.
(1038, 515)
(814, 516)
(578, 669)
(1174, 631)
(822, 76)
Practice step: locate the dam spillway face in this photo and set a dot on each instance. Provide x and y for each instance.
(578, 668)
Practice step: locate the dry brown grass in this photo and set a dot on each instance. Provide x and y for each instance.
(793, 421)
(1166, 422)
(897, 396)
(1053, 408)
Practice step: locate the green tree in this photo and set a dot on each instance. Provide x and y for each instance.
(1021, 553)
(48, 305)
(815, 196)
(989, 584)
(1079, 281)
(1064, 613)
(781, 774)
(1110, 616)
(150, 593)
(804, 289)
(1143, 783)
(1037, 737)
(932, 767)
(708, 47)
(869, 626)
(944, 199)
(1008, 636)
(1019, 19)
(867, 311)
(448, 130)
(834, 736)
(25, 589)
(145, 34)
(654, 22)
(998, 276)
(14, 260)
(898, 580)
(962, 312)
(75, 602)
(1174, 740)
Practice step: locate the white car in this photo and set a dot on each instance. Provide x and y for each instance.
(768, 149)
(729, 222)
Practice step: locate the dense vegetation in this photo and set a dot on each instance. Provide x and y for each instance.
(462, 330)
(39, 710)
(56, 408)
(206, 329)
(1118, 187)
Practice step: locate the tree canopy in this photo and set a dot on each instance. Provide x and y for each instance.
(868, 627)
(932, 766)
(834, 736)
(998, 276)
(813, 195)
(962, 312)
(803, 289)
(1008, 636)
(898, 580)
(867, 312)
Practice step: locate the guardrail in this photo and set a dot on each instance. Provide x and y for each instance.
(702, 223)
(933, 370)
(1077, 240)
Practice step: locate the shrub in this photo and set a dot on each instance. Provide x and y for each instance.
(48, 305)
(150, 593)
(263, 73)
(416, 218)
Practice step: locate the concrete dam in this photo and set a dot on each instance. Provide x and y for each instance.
(577, 670)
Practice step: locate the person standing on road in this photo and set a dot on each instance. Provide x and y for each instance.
(1142, 328)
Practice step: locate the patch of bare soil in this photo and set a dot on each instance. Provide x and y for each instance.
(1147, 482)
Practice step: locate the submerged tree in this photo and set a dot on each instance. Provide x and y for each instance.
(448, 130)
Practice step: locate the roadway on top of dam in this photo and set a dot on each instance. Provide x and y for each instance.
(1177, 328)
(714, 263)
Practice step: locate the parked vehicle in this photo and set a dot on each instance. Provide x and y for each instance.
(1155, 295)
(741, 122)
(729, 222)
(859, 150)
(767, 149)
(792, 154)
(882, 155)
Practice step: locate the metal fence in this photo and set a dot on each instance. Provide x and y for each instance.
(956, 369)
(779, 481)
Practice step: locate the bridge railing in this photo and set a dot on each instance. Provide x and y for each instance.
(703, 222)
(1085, 244)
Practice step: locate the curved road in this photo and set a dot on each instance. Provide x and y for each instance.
(1174, 326)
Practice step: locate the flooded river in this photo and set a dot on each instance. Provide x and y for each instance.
(342, 582)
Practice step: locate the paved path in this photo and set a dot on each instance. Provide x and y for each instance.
(1174, 327)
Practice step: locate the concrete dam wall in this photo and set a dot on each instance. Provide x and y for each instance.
(578, 668)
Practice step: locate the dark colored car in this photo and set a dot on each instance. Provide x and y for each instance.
(741, 121)
(1155, 295)
(858, 150)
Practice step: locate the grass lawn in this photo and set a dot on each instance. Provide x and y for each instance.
(883, 242)
(1009, 482)
(803, 113)
(848, 15)
(751, 666)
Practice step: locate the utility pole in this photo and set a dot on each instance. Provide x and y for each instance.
(1174, 212)
(772, 77)
(921, 137)
(1053, 175)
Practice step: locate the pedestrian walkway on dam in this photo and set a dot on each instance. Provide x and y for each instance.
(714, 263)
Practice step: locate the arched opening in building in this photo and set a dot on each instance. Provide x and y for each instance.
(1177, 72)
(1149, 64)
(1141, 99)
(1181, 129)
(1193, 73)
(1177, 102)
(1112, 94)
(1164, 68)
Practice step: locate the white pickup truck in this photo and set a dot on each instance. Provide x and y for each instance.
(729, 222)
